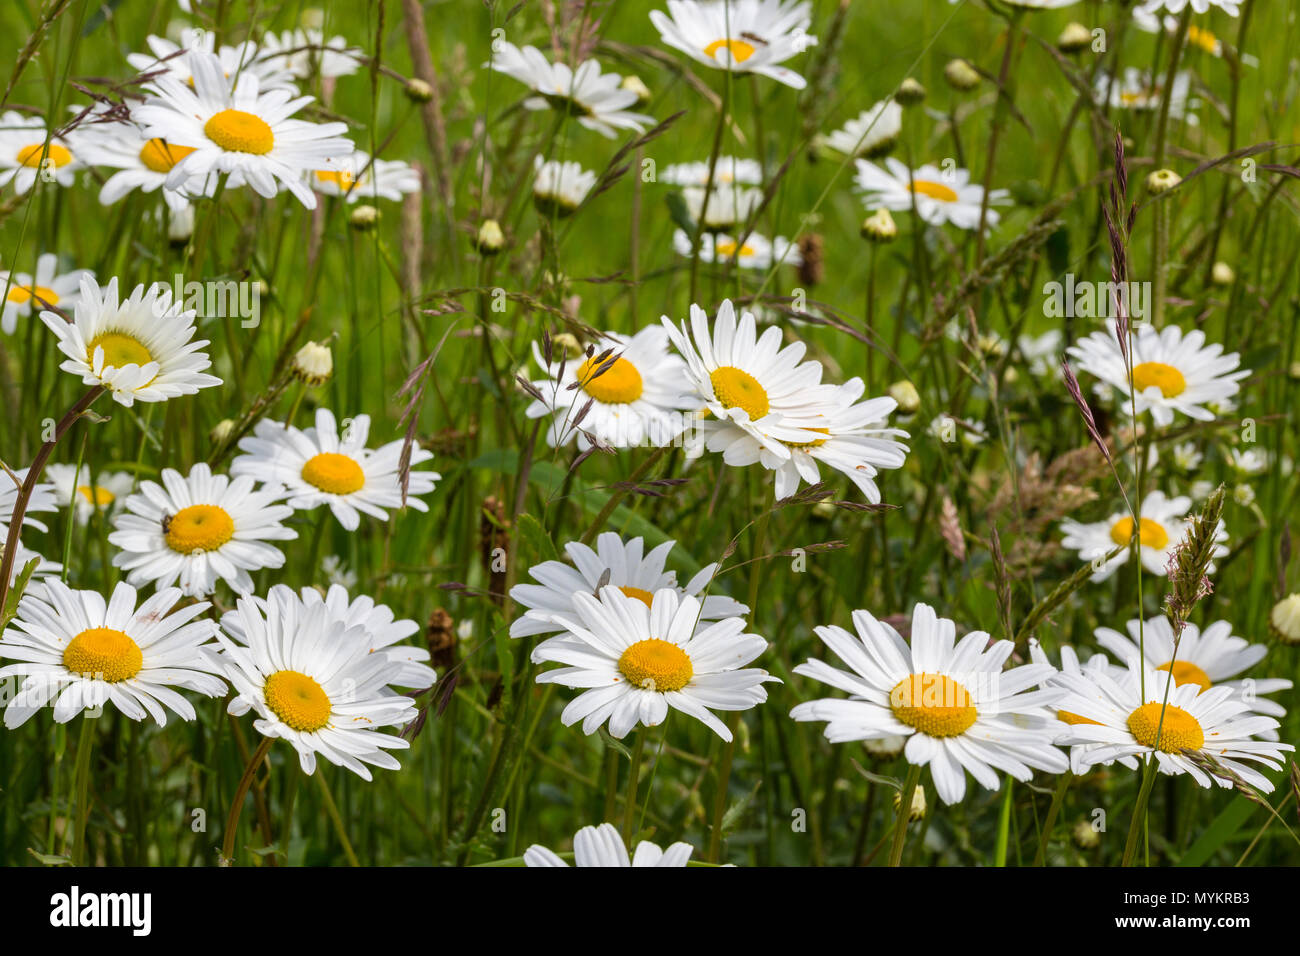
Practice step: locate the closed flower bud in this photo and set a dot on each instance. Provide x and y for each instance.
(879, 227)
(910, 93)
(1163, 180)
(418, 91)
(908, 398)
(364, 218)
(221, 431)
(313, 363)
(917, 811)
(1085, 836)
(1074, 38)
(1284, 620)
(1222, 274)
(490, 239)
(634, 84)
(565, 343)
(961, 75)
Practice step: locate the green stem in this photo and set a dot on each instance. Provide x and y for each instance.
(85, 742)
(237, 804)
(1139, 812)
(1058, 799)
(332, 809)
(633, 781)
(904, 813)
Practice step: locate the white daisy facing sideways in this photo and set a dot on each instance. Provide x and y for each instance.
(597, 100)
(939, 196)
(198, 529)
(246, 132)
(319, 466)
(359, 178)
(171, 59)
(313, 681)
(726, 171)
(88, 494)
(631, 388)
(1173, 373)
(604, 846)
(872, 132)
(756, 252)
(612, 563)
(1070, 664)
(1144, 712)
(141, 163)
(1209, 657)
(559, 188)
(744, 36)
(78, 652)
(634, 662)
(24, 154)
(952, 700)
(1135, 90)
(1161, 526)
(46, 288)
(305, 53)
(141, 348)
(42, 499)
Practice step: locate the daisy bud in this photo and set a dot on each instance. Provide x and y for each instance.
(885, 748)
(1074, 38)
(634, 84)
(910, 93)
(1244, 495)
(961, 75)
(823, 510)
(1284, 620)
(1163, 180)
(490, 239)
(418, 91)
(879, 227)
(908, 398)
(364, 218)
(566, 343)
(313, 363)
(1085, 836)
(1222, 274)
(180, 226)
(313, 18)
(1293, 370)
(221, 432)
(917, 811)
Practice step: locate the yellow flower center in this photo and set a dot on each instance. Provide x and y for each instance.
(339, 177)
(645, 597)
(1151, 533)
(297, 700)
(728, 248)
(104, 654)
(1065, 717)
(120, 350)
(617, 385)
(656, 665)
(34, 154)
(815, 443)
(1168, 379)
(97, 495)
(934, 704)
(240, 132)
(198, 528)
(928, 187)
(1185, 672)
(22, 294)
(333, 473)
(160, 155)
(1202, 38)
(740, 50)
(736, 388)
(1178, 731)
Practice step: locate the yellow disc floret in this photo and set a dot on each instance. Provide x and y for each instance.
(35, 154)
(1185, 672)
(239, 132)
(934, 704)
(736, 388)
(617, 385)
(927, 187)
(333, 473)
(642, 595)
(1168, 379)
(104, 654)
(160, 155)
(97, 495)
(656, 665)
(740, 50)
(22, 294)
(1178, 731)
(120, 350)
(1151, 534)
(198, 528)
(298, 700)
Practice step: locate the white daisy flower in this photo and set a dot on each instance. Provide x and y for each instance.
(872, 132)
(1231, 7)
(603, 846)
(727, 170)
(1136, 90)
(1042, 352)
(756, 252)
(73, 488)
(1172, 371)
(24, 154)
(746, 36)
(1070, 664)
(1212, 657)
(958, 708)
(305, 53)
(313, 681)
(614, 563)
(597, 100)
(637, 399)
(560, 188)
(79, 652)
(853, 440)
(198, 529)
(142, 163)
(378, 622)
(753, 381)
(727, 205)
(141, 348)
(359, 178)
(1160, 530)
(336, 572)
(940, 197)
(1140, 713)
(46, 289)
(635, 661)
(246, 132)
(318, 466)
(166, 58)
(1037, 4)
(1248, 461)
(42, 499)
(1198, 37)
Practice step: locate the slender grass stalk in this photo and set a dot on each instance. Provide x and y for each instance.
(1058, 800)
(332, 809)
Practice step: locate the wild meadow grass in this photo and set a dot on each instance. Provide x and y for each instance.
(431, 331)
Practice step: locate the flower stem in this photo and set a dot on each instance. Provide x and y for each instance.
(633, 781)
(332, 809)
(81, 789)
(237, 804)
(904, 813)
(1058, 799)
